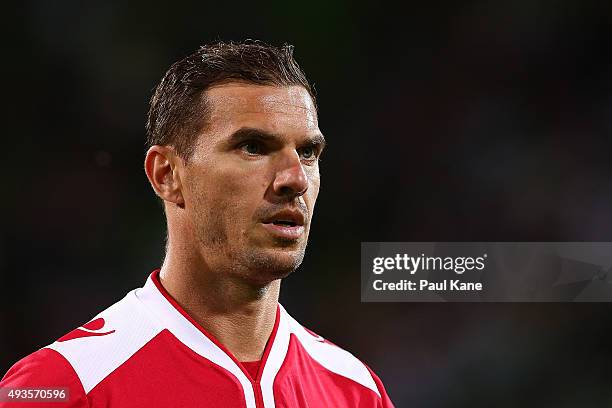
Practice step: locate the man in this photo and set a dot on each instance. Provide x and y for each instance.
(234, 145)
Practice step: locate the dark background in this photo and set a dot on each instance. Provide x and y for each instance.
(471, 121)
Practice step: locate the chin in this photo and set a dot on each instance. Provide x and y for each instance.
(270, 265)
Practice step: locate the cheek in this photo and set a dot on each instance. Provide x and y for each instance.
(313, 191)
(235, 195)
(314, 179)
(210, 193)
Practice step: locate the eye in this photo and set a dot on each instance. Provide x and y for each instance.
(251, 148)
(308, 153)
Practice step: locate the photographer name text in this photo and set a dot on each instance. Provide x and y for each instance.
(423, 284)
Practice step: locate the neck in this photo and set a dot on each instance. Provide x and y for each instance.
(239, 314)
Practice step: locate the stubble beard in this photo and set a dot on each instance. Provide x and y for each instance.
(257, 265)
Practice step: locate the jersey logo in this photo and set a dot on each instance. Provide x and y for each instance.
(90, 329)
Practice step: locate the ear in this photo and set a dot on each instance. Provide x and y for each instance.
(162, 167)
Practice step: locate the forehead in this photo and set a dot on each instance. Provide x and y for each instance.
(278, 109)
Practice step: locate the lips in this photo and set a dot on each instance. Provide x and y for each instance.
(286, 224)
(290, 218)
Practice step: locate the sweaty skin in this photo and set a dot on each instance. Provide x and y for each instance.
(223, 263)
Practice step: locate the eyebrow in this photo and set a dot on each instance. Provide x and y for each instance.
(247, 133)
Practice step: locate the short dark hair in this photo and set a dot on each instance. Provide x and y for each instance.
(178, 109)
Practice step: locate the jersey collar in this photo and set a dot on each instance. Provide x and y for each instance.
(176, 320)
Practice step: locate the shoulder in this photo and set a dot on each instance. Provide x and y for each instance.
(103, 344)
(46, 368)
(43, 366)
(93, 351)
(334, 358)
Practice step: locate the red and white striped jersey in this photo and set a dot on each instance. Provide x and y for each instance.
(146, 351)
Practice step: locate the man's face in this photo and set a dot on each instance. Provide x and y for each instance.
(252, 182)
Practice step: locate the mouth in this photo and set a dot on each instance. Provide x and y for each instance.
(284, 223)
(288, 225)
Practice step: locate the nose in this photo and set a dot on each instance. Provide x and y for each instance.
(290, 180)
